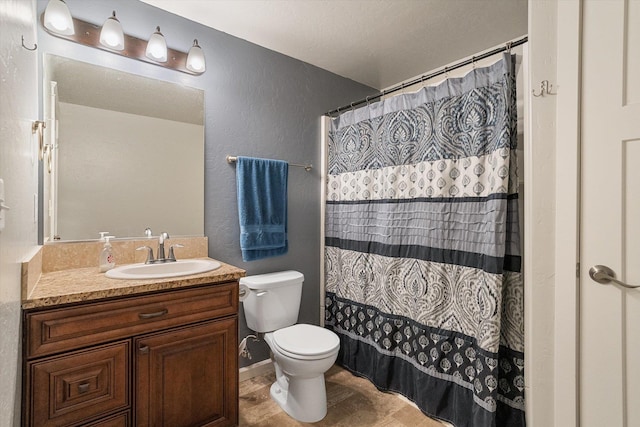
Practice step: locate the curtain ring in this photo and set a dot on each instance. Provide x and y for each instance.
(473, 62)
(367, 100)
(352, 108)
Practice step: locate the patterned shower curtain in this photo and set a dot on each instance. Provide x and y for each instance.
(423, 282)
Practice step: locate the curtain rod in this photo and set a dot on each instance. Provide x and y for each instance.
(507, 46)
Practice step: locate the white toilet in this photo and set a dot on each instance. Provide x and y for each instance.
(301, 353)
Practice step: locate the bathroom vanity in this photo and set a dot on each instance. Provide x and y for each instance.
(105, 352)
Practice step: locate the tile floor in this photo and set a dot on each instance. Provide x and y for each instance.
(352, 401)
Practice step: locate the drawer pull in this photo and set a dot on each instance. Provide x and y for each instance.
(152, 315)
(143, 349)
(83, 388)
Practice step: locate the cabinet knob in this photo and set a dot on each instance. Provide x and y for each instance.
(83, 388)
(143, 349)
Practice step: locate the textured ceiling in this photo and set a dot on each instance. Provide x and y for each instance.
(376, 42)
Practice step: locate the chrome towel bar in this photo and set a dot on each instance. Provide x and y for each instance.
(233, 159)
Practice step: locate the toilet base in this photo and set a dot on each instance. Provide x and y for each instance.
(305, 400)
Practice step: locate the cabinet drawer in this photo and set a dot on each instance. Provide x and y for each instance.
(63, 329)
(69, 389)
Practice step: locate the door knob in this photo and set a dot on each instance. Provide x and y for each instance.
(603, 274)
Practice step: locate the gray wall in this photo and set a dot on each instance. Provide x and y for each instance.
(257, 103)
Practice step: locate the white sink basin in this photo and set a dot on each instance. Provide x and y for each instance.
(183, 267)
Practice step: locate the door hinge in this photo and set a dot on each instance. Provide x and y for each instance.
(578, 270)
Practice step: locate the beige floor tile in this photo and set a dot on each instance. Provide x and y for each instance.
(351, 401)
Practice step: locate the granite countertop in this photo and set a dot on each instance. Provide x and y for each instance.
(87, 284)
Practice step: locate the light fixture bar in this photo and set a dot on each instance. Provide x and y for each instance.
(88, 34)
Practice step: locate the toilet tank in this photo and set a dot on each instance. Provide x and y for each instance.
(273, 301)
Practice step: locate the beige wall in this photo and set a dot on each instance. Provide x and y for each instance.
(552, 254)
(18, 169)
(539, 253)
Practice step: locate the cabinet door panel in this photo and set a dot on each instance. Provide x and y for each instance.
(188, 377)
(68, 389)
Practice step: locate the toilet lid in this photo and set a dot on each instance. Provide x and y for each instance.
(306, 340)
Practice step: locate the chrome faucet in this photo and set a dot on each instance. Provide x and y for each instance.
(172, 257)
(160, 254)
(150, 259)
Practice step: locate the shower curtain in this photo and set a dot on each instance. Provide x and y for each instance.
(422, 261)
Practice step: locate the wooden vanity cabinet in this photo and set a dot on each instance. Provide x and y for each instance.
(162, 359)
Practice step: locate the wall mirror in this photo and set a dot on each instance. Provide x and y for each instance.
(126, 153)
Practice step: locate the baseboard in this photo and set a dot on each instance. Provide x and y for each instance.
(258, 368)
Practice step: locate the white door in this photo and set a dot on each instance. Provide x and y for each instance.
(610, 222)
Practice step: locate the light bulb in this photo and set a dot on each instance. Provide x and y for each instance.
(157, 47)
(57, 18)
(111, 34)
(195, 59)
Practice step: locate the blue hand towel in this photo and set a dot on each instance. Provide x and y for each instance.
(262, 207)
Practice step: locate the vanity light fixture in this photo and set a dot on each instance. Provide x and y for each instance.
(195, 59)
(157, 47)
(111, 38)
(57, 18)
(111, 34)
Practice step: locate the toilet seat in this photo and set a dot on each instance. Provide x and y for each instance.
(306, 342)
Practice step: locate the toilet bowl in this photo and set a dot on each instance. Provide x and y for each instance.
(301, 353)
(300, 366)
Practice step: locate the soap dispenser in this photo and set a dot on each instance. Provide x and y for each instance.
(107, 260)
